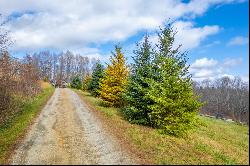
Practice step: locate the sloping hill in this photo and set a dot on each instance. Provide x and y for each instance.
(213, 142)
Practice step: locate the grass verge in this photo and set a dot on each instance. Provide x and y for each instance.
(15, 129)
(214, 142)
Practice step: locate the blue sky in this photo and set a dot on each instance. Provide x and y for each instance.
(234, 21)
(214, 32)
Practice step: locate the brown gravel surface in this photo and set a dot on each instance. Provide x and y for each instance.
(67, 132)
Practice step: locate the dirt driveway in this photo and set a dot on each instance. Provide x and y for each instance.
(67, 132)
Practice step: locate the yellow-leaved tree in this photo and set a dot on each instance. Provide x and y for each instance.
(115, 79)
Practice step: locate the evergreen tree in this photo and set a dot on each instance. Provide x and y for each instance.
(137, 102)
(159, 91)
(174, 105)
(76, 83)
(97, 75)
(115, 79)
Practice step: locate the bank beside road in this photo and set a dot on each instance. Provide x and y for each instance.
(212, 142)
(13, 131)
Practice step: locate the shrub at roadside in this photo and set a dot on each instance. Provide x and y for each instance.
(16, 127)
(115, 79)
(76, 83)
(18, 82)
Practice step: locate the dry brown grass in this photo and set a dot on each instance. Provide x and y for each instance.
(44, 85)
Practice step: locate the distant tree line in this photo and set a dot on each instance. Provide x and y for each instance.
(224, 98)
(62, 66)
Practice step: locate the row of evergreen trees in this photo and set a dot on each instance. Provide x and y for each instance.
(156, 90)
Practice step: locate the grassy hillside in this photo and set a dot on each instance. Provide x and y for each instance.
(214, 142)
(11, 132)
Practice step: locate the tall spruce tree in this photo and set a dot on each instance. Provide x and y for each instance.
(97, 75)
(115, 79)
(174, 107)
(137, 102)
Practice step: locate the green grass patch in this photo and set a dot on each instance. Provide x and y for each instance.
(212, 142)
(10, 132)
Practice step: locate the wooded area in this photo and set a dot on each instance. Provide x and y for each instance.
(62, 66)
(224, 98)
(19, 77)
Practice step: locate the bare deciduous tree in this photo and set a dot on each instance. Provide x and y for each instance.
(225, 98)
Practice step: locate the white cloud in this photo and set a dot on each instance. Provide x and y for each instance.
(190, 36)
(204, 73)
(64, 24)
(205, 68)
(230, 62)
(212, 44)
(238, 40)
(204, 63)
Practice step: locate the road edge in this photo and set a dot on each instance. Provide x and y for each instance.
(104, 122)
(11, 151)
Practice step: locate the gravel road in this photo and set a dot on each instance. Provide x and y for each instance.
(67, 132)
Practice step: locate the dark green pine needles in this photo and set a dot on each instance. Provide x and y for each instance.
(97, 75)
(160, 92)
(138, 85)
